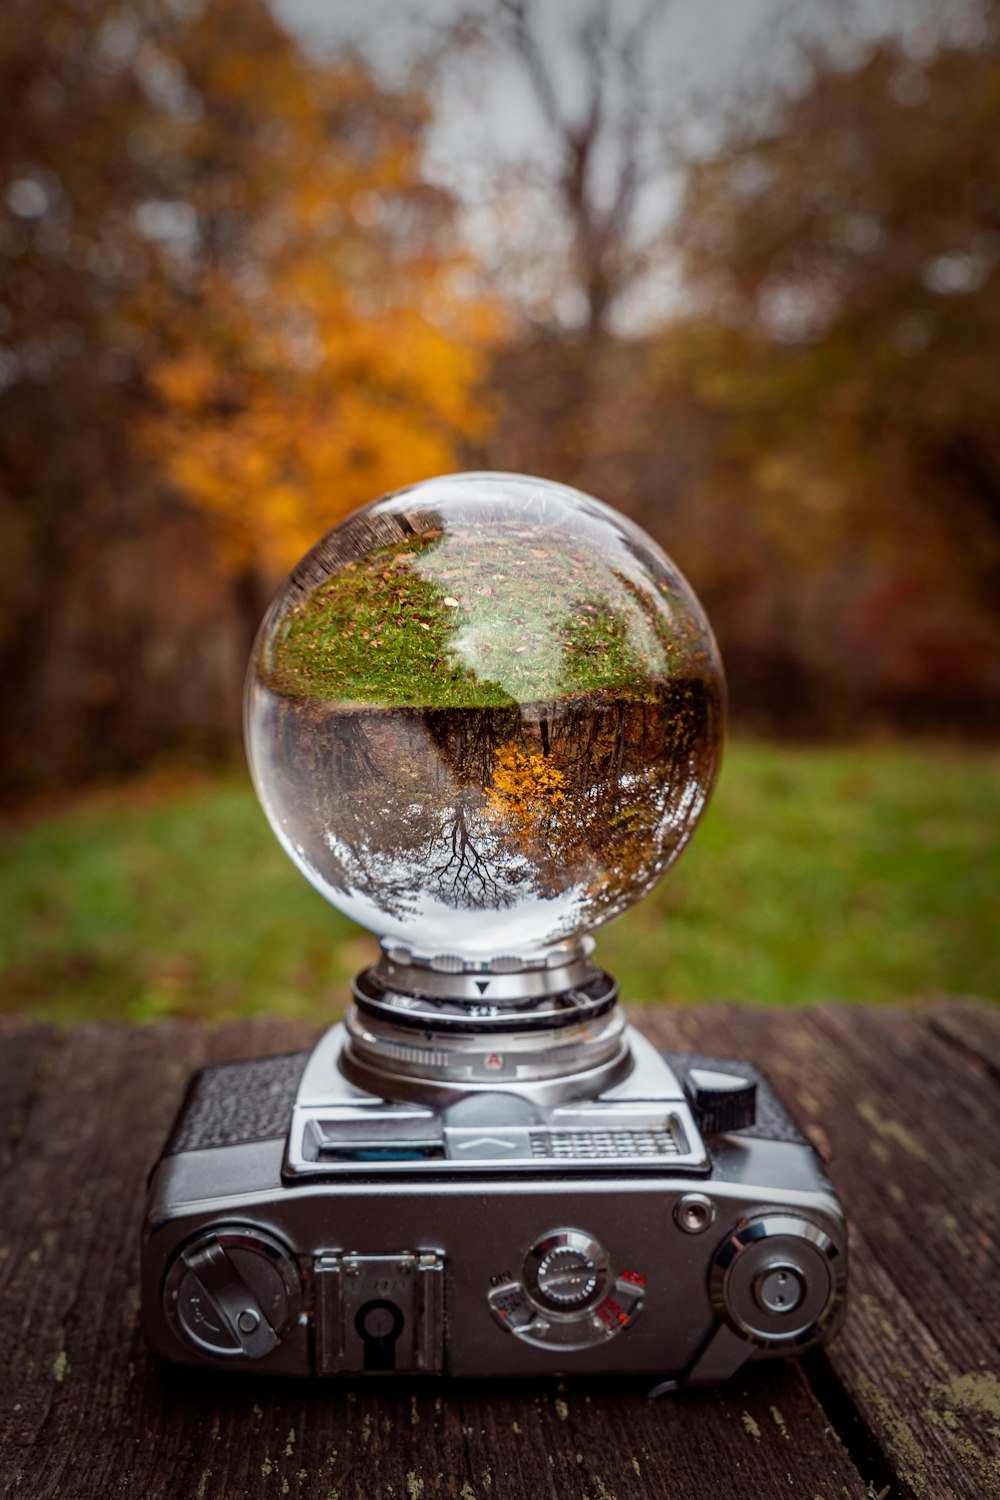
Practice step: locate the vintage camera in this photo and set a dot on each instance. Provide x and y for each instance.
(483, 716)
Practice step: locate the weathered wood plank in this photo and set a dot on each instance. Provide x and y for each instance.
(908, 1125)
(973, 1026)
(223, 1438)
(95, 1413)
(70, 1295)
(24, 1050)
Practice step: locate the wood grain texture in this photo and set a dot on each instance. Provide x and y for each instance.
(908, 1125)
(23, 1061)
(89, 1411)
(971, 1025)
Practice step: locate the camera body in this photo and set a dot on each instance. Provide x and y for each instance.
(656, 1214)
(484, 715)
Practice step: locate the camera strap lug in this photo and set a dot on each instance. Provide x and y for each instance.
(719, 1357)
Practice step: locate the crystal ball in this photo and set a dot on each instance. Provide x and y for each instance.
(484, 715)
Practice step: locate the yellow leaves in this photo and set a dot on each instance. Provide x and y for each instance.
(527, 792)
(293, 450)
(326, 355)
(288, 464)
(188, 381)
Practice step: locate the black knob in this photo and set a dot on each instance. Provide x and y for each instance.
(721, 1101)
(234, 1291)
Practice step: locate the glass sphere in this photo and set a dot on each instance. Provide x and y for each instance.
(484, 715)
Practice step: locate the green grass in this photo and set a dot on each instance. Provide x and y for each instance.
(479, 619)
(866, 874)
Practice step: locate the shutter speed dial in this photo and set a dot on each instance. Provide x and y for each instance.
(568, 1295)
(566, 1277)
(566, 1271)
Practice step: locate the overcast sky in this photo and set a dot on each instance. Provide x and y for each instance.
(701, 45)
(702, 58)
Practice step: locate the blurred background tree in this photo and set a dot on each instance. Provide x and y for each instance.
(843, 257)
(733, 269)
(810, 424)
(237, 304)
(230, 317)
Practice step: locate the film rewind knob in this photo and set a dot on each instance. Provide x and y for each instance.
(233, 1292)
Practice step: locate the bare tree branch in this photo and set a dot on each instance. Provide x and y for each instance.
(525, 41)
(600, 224)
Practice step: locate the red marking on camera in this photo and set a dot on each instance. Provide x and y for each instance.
(609, 1309)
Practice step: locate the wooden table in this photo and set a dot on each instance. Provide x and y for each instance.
(905, 1404)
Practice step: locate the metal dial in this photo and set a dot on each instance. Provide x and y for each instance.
(566, 1271)
(566, 1277)
(568, 1297)
(777, 1279)
(233, 1291)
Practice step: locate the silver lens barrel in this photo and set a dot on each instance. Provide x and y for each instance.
(415, 1033)
(504, 981)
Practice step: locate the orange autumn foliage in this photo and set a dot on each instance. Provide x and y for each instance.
(527, 793)
(322, 354)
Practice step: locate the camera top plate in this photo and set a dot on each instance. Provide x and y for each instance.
(640, 1123)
